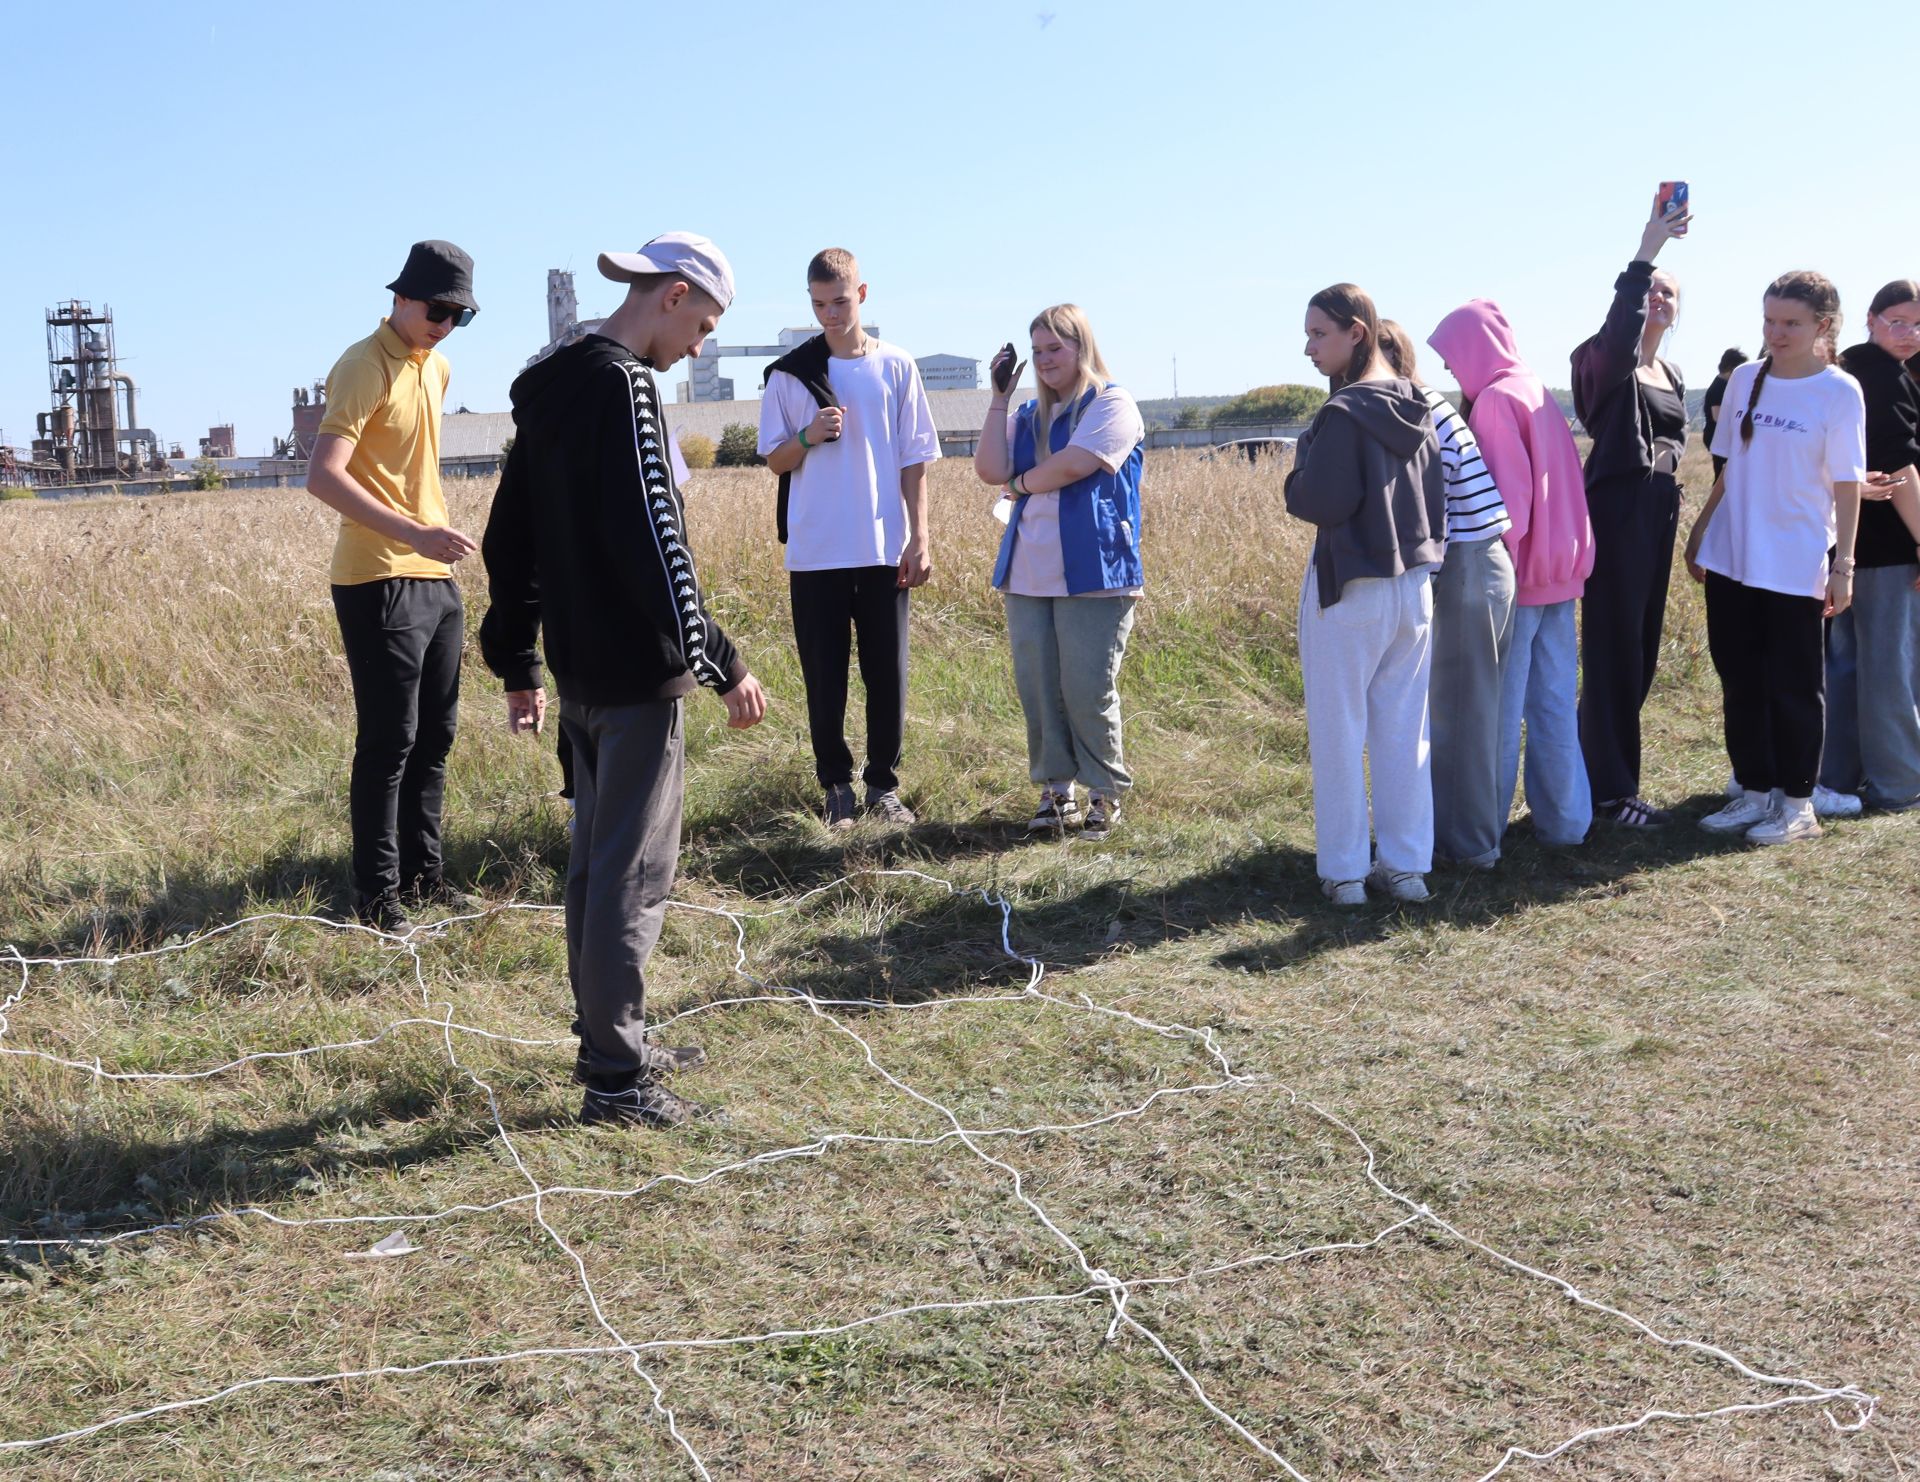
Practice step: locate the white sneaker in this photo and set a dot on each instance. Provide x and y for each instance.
(1402, 885)
(1830, 804)
(1743, 813)
(1793, 821)
(1345, 892)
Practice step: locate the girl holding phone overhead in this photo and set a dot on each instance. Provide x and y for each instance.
(1367, 473)
(1634, 406)
(1069, 564)
(1873, 648)
(1793, 433)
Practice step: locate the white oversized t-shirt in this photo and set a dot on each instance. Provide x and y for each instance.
(1775, 521)
(1110, 429)
(844, 506)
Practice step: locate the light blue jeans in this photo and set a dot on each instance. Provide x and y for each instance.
(1066, 666)
(1540, 687)
(1873, 691)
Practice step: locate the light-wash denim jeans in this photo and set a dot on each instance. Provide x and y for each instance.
(1540, 686)
(1364, 662)
(1472, 630)
(1066, 666)
(1873, 691)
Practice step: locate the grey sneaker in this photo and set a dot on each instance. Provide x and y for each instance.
(1103, 817)
(841, 808)
(661, 1059)
(1406, 886)
(1743, 813)
(1830, 802)
(887, 807)
(1056, 813)
(1793, 820)
(1344, 892)
(647, 1104)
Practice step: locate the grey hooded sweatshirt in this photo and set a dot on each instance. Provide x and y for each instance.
(1367, 472)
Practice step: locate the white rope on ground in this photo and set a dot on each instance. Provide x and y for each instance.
(1099, 1284)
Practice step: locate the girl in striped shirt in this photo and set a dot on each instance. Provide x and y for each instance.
(1472, 623)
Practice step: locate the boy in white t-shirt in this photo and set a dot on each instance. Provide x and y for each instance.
(846, 424)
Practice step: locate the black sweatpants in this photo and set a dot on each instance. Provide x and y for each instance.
(1769, 651)
(830, 608)
(403, 638)
(1621, 617)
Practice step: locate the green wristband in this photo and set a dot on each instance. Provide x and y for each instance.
(803, 439)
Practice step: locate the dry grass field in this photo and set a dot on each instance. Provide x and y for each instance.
(1676, 1073)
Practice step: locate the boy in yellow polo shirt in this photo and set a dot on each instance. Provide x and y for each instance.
(377, 463)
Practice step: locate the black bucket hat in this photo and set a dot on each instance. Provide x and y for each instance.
(437, 272)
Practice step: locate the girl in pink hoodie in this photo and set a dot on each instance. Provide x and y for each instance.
(1528, 448)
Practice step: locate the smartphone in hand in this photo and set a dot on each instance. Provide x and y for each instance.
(1673, 201)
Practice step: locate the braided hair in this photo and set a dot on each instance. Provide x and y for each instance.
(1823, 299)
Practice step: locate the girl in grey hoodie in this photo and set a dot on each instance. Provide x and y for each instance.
(1367, 474)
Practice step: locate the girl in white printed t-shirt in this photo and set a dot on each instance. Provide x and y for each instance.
(1793, 432)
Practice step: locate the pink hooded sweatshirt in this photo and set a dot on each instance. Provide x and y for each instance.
(1529, 451)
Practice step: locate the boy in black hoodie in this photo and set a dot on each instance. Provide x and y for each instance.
(586, 539)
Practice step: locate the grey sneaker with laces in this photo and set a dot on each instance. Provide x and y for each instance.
(661, 1059)
(886, 806)
(1405, 886)
(646, 1104)
(841, 809)
(1056, 813)
(1103, 817)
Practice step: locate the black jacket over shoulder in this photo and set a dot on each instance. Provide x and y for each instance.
(1607, 395)
(807, 364)
(587, 540)
(1893, 442)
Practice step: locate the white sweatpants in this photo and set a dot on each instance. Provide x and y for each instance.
(1364, 662)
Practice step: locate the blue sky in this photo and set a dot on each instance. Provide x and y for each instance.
(239, 181)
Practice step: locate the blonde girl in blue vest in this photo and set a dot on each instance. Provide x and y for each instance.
(1069, 565)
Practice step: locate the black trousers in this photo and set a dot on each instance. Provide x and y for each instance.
(403, 638)
(830, 608)
(1621, 617)
(1769, 650)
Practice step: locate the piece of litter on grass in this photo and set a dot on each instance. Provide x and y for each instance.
(395, 1244)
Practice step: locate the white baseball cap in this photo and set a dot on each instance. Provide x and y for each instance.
(693, 257)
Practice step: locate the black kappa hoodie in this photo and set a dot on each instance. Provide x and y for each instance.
(587, 540)
(1367, 472)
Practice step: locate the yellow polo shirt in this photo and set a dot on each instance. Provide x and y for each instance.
(385, 399)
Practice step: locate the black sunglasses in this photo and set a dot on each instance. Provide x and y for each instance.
(441, 313)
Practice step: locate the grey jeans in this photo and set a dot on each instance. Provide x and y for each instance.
(1873, 690)
(1472, 627)
(627, 770)
(1066, 666)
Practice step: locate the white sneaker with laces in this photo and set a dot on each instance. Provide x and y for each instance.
(1827, 803)
(1345, 892)
(1791, 822)
(1403, 885)
(1745, 811)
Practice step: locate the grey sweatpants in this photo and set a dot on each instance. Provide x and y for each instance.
(1066, 668)
(627, 768)
(1472, 626)
(1873, 690)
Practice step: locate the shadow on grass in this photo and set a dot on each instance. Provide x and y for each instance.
(1529, 874)
(524, 858)
(75, 1178)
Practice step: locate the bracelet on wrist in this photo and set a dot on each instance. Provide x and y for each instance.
(803, 439)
